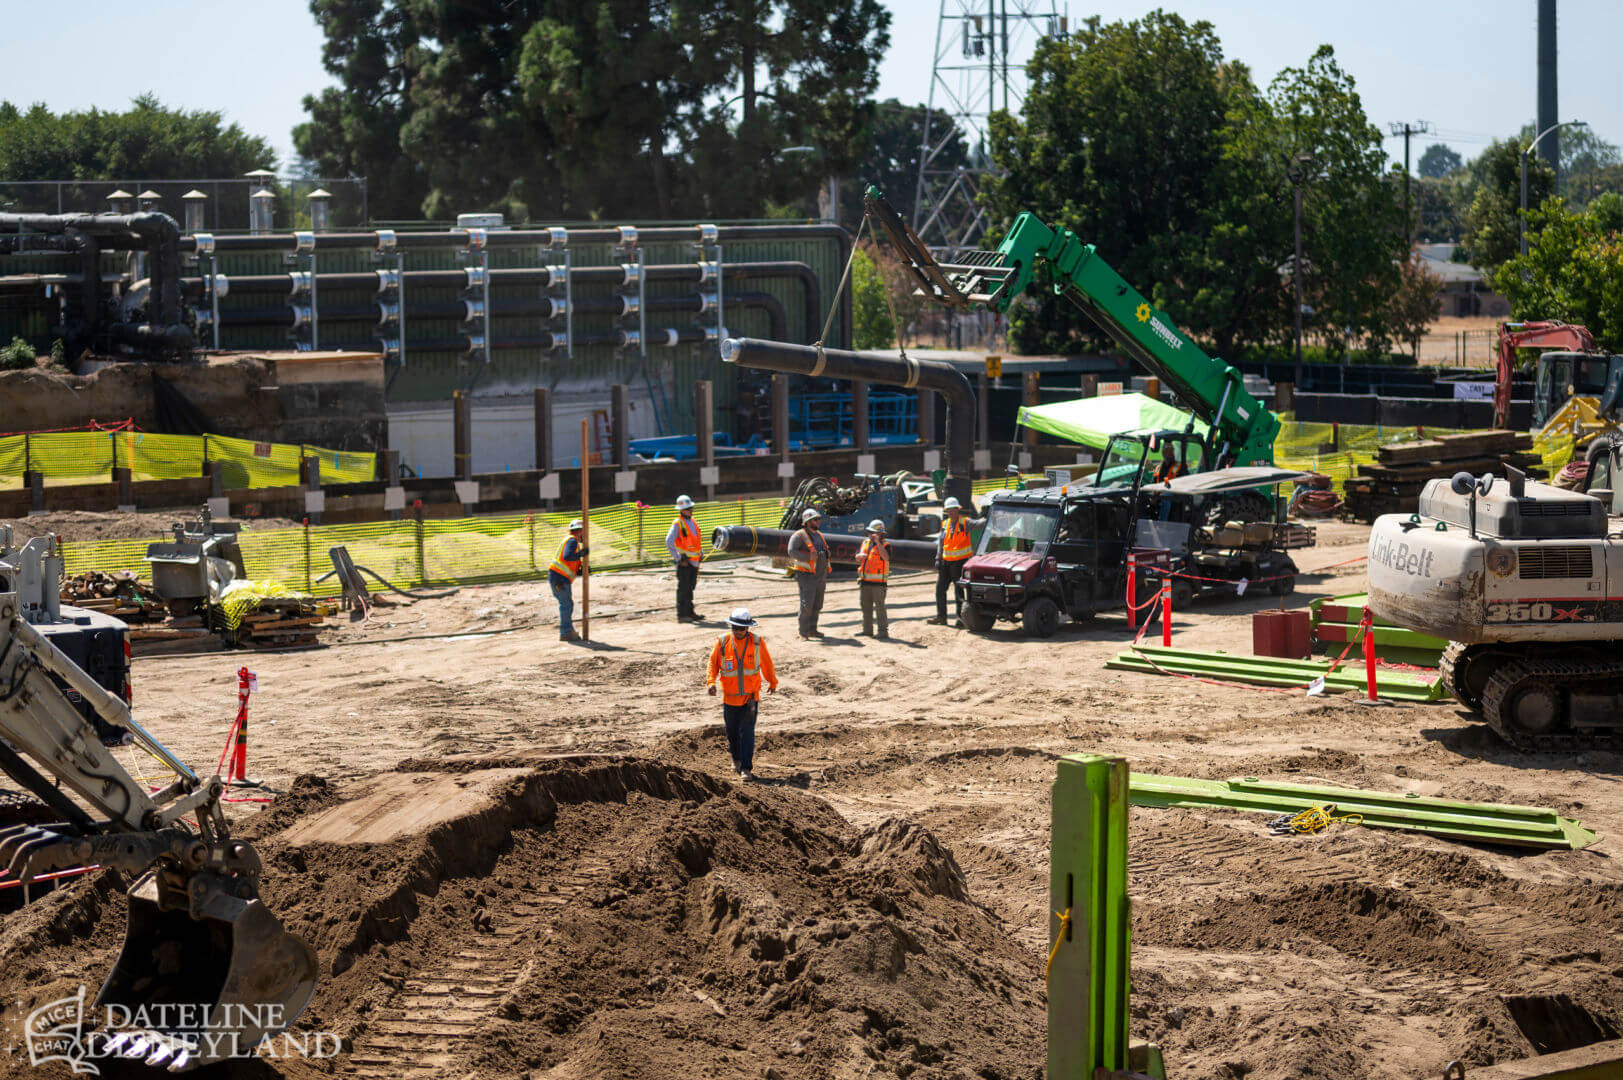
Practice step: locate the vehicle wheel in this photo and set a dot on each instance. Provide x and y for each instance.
(1535, 709)
(1283, 586)
(1182, 593)
(977, 619)
(1041, 617)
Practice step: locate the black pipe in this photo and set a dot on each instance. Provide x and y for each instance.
(909, 373)
(509, 237)
(842, 547)
(514, 308)
(685, 335)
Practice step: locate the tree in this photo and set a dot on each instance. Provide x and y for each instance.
(566, 109)
(1573, 269)
(1195, 208)
(870, 309)
(1492, 232)
(147, 142)
(891, 160)
(1438, 161)
(1414, 305)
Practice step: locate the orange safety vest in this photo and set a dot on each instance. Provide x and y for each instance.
(742, 664)
(688, 543)
(873, 562)
(955, 544)
(568, 568)
(806, 564)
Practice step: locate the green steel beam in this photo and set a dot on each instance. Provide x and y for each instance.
(1087, 976)
(1274, 671)
(1485, 823)
(1338, 632)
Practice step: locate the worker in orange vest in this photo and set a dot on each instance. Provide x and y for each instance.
(567, 565)
(873, 574)
(739, 661)
(809, 553)
(953, 548)
(687, 549)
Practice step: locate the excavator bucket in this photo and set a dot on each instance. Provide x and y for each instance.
(189, 991)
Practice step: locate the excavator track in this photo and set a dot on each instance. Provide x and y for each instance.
(1557, 679)
(1446, 668)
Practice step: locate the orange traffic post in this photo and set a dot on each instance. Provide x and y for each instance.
(1369, 652)
(238, 773)
(1166, 613)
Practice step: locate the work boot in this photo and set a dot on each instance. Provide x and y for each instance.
(746, 776)
(938, 620)
(571, 636)
(884, 637)
(864, 632)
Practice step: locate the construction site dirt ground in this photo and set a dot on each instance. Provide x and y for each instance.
(520, 857)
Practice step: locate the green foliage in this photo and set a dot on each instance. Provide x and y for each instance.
(571, 109)
(1438, 161)
(1414, 304)
(18, 355)
(870, 310)
(146, 141)
(1573, 270)
(1491, 222)
(1141, 137)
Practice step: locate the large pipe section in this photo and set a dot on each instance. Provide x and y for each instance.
(156, 234)
(842, 548)
(907, 372)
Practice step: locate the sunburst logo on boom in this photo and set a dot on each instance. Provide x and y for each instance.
(1143, 313)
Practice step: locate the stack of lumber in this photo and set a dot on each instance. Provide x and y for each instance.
(1393, 484)
(283, 623)
(121, 595)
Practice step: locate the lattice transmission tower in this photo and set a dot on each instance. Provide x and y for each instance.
(981, 49)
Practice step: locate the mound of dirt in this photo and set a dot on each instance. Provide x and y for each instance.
(606, 916)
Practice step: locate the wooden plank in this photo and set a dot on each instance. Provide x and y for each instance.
(286, 624)
(164, 633)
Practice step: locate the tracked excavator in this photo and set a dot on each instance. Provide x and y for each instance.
(1525, 581)
(206, 970)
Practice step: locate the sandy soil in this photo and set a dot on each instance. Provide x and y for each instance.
(82, 525)
(484, 901)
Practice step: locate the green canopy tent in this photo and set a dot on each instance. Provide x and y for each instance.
(1091, 421)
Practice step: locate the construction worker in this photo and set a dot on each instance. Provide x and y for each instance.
(873, 571)
(952, 549)
(687, 549)
(567, 565)
(1170, 468)
(809, 551)
(739, 660)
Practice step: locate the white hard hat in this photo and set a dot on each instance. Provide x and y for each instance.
(576, 524)
(952, 503)
(876, 526)
(811, 513)
(684, 503)
(741, 617)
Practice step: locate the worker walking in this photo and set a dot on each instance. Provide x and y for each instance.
(687, 549)
(873, 569)
(809, 551)
(567, 565)
(952, 549)
(739, 660)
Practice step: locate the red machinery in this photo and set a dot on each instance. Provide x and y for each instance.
(1531, 335)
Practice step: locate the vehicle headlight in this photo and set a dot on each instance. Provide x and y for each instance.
(1501, 561)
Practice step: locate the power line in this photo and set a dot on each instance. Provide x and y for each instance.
(1408, 131)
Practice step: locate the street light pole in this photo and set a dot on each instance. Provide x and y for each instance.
(1529, 150)
(1296, 172)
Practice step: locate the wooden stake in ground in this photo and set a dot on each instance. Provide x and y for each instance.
(585, 531)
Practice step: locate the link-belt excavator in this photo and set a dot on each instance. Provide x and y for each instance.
(1241, 429)
(1525, 581)
(206, 970)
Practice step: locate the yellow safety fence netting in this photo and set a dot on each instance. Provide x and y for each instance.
(87, 457)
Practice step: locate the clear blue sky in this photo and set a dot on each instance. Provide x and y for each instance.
(1468, 69)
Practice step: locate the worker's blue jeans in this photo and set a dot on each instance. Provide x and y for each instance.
(565, 592)
(740, 723)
